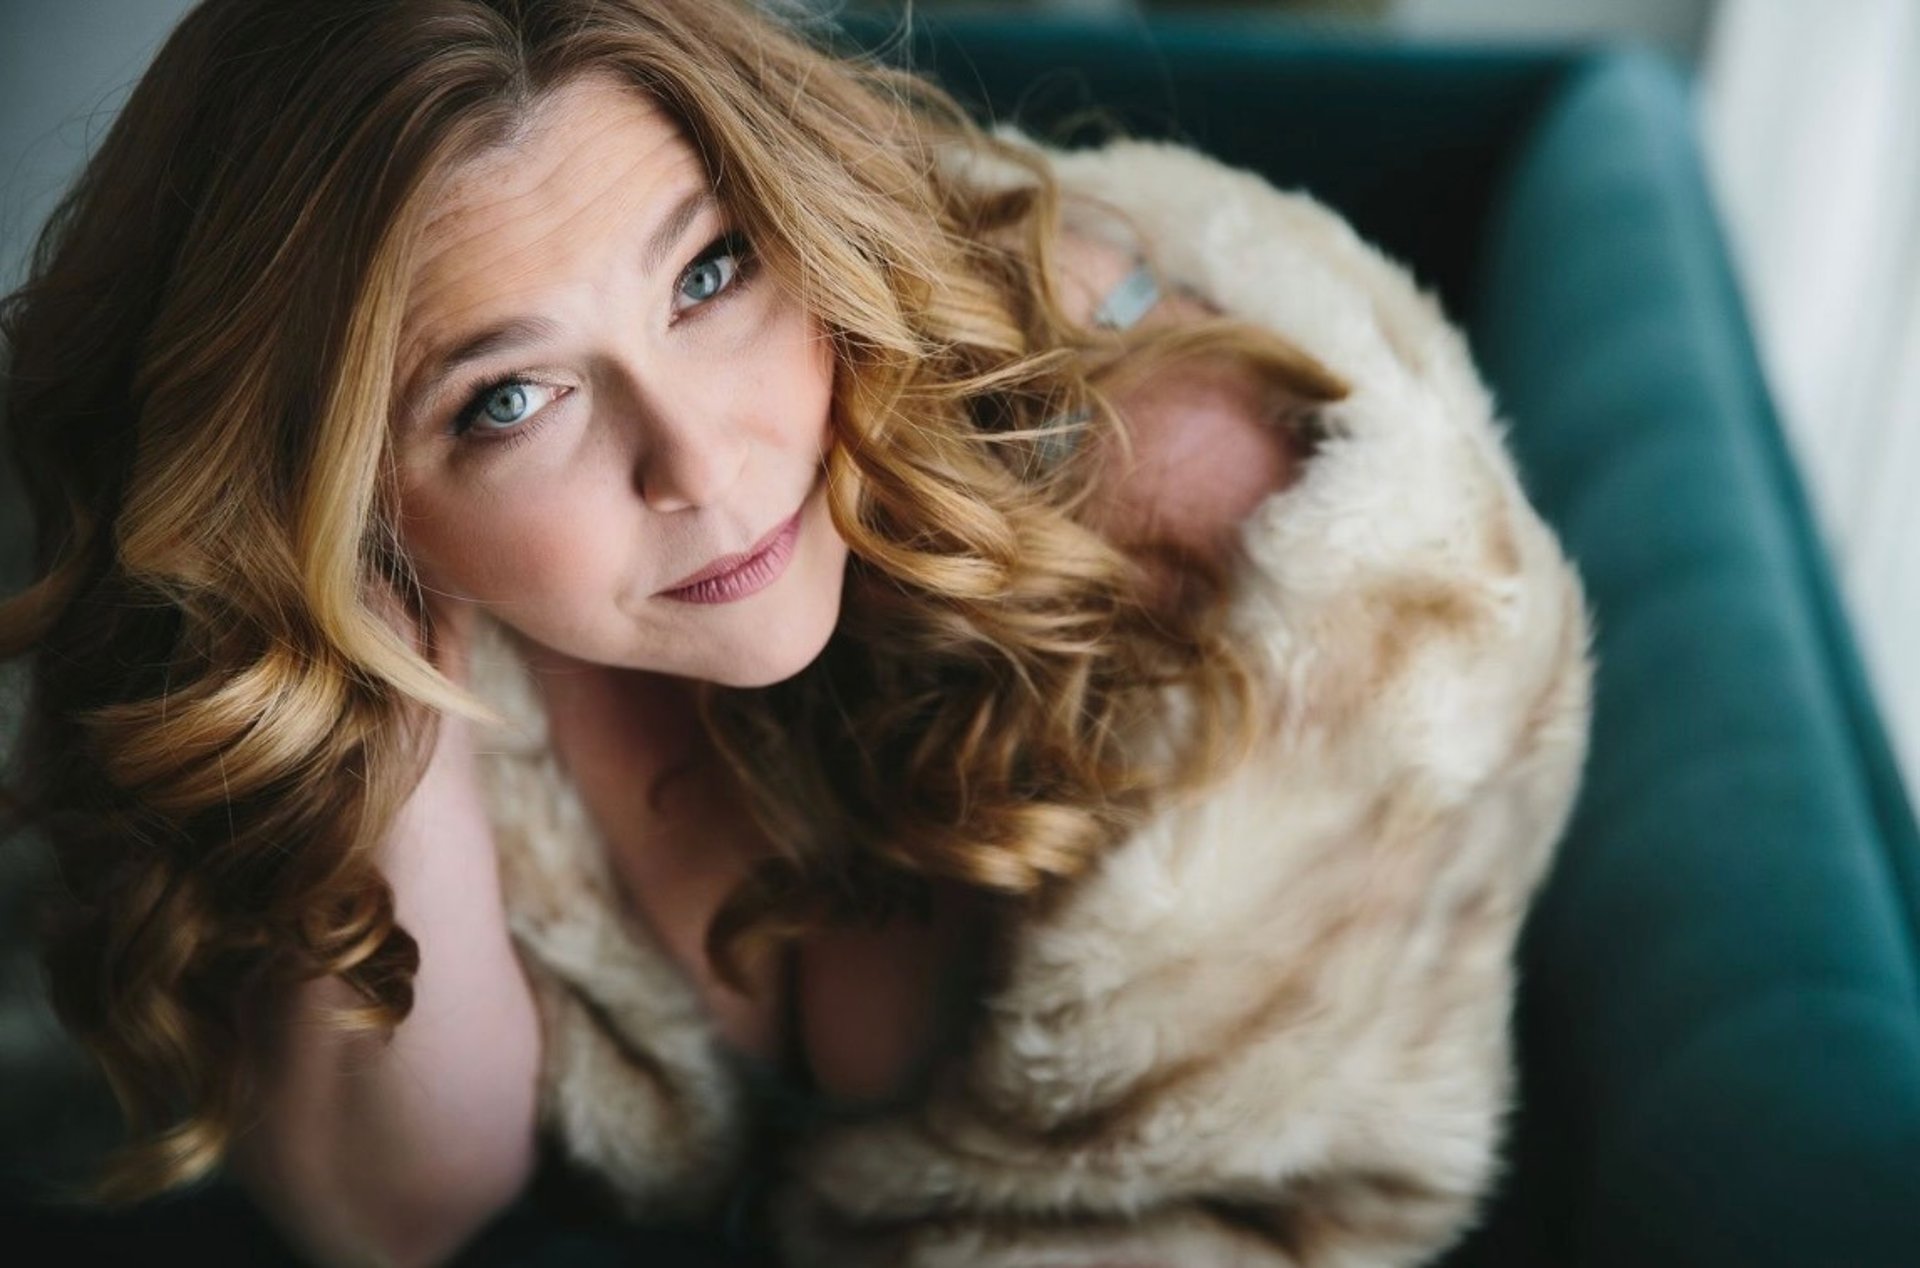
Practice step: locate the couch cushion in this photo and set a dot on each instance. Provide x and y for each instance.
(1720, 1012)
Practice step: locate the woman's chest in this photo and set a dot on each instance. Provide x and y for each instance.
(856, 1012)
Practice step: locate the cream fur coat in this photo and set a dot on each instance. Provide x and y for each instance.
(1269, 1029)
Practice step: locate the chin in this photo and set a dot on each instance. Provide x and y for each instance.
(772, 646)
(768, 664)
(769, 637)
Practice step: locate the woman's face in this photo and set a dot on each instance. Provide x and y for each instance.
(609, 421)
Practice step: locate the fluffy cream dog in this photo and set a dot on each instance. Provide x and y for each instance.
(1271, 1027)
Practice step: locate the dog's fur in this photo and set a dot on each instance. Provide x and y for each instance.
(1271, 1027)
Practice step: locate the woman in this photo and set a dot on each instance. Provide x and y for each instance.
(912, 693)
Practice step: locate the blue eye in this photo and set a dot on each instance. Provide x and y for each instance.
(717, 267)
(504, 405)
(507, 404)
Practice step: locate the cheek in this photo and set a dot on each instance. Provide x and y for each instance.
(532, 544)
(801, 394)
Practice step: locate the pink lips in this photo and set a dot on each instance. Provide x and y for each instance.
(736, 576)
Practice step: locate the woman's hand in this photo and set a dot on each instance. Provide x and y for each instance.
(1210, 440)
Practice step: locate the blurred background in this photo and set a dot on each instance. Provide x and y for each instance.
(1805, 110)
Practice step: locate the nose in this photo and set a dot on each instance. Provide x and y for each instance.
(685, 472)
(687, 455)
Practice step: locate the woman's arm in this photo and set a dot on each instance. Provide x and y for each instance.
(399, 1154)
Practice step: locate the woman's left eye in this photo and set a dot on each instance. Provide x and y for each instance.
(717, 268)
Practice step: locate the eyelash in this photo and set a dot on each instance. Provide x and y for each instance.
(732, 242)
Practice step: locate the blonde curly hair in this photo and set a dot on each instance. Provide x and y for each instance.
(224, 714)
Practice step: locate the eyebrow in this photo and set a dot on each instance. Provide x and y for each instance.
(482, 344)
(673, 226)
(518, 330)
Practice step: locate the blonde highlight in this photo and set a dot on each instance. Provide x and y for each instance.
(233, 673)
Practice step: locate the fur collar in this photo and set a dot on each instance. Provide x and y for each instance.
(1271, 1027)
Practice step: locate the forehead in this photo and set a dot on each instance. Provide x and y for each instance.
(595, 158)
(593, 127)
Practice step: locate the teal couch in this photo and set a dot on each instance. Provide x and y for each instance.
(1719, 1018)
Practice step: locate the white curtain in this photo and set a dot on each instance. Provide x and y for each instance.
(1811, 121)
